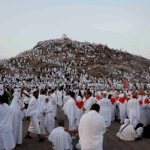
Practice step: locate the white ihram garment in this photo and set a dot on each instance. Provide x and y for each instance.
(6, 136)
(71, 112)
(91, 129)
(105, 110)
(16, 120)
(59, 95)
(89, 102)
(34, 113)
(65, 99)
(128, 133)
(79, 111)
(132, 112)
(54, 103)
(61, 139)
(47, 121)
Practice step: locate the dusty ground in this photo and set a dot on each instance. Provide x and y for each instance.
(111, 142)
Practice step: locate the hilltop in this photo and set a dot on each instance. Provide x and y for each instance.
(89, 59)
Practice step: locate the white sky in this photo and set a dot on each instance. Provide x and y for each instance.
(117, 23)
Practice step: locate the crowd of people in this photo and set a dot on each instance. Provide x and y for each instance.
(89, 112)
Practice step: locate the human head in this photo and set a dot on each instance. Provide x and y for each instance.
(88, 94)
(126, 121)
(36, 94)
(52, 91)
(95, 107)
(72, 94)
(46, 99)
(49, 92)
(28, 90)
(61, 123)
(104, 94)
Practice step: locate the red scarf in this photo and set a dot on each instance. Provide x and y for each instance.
(79, 104)
(122, 100)
(140, 102)
(86, 97)
(147, 101)
(128, 99)
(112, 100)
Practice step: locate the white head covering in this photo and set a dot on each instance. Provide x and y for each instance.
(14, 107)
(16, 94)
(78, 99)
(126, 121)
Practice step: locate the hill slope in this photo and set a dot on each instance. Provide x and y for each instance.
(95, 60)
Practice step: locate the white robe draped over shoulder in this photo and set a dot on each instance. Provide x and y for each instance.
(91, 129)
(61, 139)
(105, 110)
(16, 120)
(6, 136)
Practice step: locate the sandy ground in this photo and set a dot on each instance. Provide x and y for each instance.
(111, 142)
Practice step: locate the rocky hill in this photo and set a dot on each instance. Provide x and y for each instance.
(89, 59)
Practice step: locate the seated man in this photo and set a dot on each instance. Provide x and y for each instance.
(60, 138)
(127, 132)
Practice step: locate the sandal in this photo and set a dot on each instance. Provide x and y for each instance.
(41, 139)
(28, 137)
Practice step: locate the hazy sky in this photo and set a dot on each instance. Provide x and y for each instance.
(117, 23)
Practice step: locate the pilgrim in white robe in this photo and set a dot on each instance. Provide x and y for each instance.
(34, 113)
(123, 109)
(16, 119)
(41, 101)
(47, 120)
(79, 106)
(88, 104)
(54, 103)
(132, 112)
(91, 129)
(105, 110)
(61, 139)
(127, 132)
(6, 136)
(65, 99)
(141, 111)
(59, 96)
(113, 107)
(71, 112)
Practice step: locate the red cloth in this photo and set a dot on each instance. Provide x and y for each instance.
(98, 98)
(147, 101)
(122, 100)
(79, 104)
(86, 97)
(112, 100)
(125, 84)
(128, 99)
(140, 102)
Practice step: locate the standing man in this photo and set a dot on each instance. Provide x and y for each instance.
(91, 129)
(89, 102)
(54, 102)
(71, 111)
(105, 110)
(34, 113)
(6, 136)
